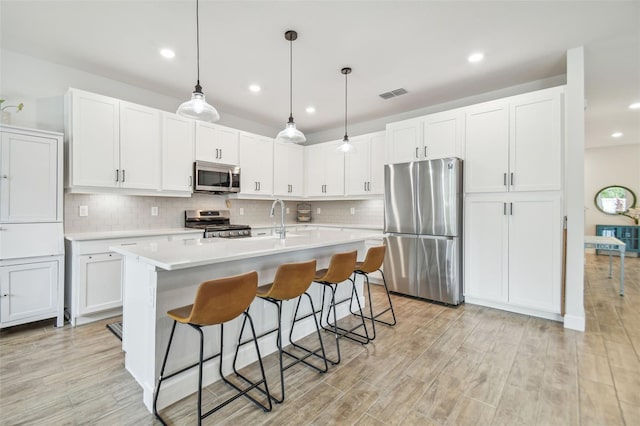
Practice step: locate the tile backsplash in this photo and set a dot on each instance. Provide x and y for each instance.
(107, 212)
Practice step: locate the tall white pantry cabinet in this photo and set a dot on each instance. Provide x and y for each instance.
(31, 228)
(513, 203)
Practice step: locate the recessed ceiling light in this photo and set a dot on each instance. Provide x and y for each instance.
(635, 105)
(617, 134)
(254, 88)
(310, 109)
(168, 53)
(476, 57)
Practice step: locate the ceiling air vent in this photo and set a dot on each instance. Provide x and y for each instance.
(393, 93)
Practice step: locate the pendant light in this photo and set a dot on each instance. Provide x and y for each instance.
(197, 107)
(290, 134)
(346, 146)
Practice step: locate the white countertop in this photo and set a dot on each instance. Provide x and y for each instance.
(325, 225)
(173, 255)
(87, 236)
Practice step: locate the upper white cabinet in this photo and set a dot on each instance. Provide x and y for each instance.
(30, 176)
(93, 129)
(364, 169)
(216, 144)
(288, 160)
(324, 170)
(256, 164)
(140, 146)
(515, 144)
(177, 153)
(437, 135)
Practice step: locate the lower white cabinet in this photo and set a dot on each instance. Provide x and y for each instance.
(513, 253)
(100, 282)
(31, 290)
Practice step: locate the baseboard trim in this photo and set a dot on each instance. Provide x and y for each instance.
(574, 322)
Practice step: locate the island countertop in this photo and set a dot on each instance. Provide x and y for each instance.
(174, 255)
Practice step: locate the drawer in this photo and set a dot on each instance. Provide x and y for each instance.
(30, 240)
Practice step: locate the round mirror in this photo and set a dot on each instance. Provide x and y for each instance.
(615, 199)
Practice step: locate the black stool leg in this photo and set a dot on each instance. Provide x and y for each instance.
(160, 379)
(354, 293)
(390, 308)
(343, 332)
(309, 352)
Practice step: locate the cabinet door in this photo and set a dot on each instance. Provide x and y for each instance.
(404, 140)
(100, 282)
(29, 178)
(487, 148)
(535, 244)
(333, 169)
(28, 291)
(486, 244)
(216, 144)
(357, 167)
(314, 170)
(288, 169)
(177, 153)
(442, 135)
(376, 171)
(256, 164)
(94, 140)
(140, 146)
(536, 142)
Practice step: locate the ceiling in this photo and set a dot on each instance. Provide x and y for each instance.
(421, 46)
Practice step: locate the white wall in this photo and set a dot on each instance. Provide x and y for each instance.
(41, 86)
(616, 165)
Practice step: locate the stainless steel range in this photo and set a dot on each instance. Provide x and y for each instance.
(215, 223)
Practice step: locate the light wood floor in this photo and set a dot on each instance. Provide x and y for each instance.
(439, 365)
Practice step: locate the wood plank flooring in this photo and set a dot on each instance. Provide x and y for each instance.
(438, 366)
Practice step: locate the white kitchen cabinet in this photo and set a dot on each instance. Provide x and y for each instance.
(31, 290)
(256, 164)
(515, 144)
(288, 175)
(93, 132)
(513, 253)
(30, 176)
(364, 170)
(100, 286)
(178, 145)
(140, 146)
(438, 135)
(216, 144)
(324, 170)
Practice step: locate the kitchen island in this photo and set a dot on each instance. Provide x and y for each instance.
(160, 276)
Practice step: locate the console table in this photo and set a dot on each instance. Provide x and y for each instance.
(611, 244)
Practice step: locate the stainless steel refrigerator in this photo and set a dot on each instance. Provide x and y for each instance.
(423, 222)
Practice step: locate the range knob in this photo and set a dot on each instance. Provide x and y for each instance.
(224, 234)
(233, 233)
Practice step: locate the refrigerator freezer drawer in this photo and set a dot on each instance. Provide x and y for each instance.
(439, 269)
(30, 240)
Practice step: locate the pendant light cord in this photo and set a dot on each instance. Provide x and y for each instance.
(345, 104)
(198, 39)
(290, 80)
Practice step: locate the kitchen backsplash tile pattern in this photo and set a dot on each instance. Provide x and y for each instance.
(109, 212)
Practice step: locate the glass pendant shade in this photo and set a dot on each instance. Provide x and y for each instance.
(346, 146)
(291, 134)
(198, 108)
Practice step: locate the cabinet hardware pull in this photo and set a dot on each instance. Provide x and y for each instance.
(425, 152)
(258, 186)
(5, 177)
(221, 153)
(417, 152)
(504, 179)
(190, 181)
(5, 295)
(217, 153)
(511, 178)
(504, 209)
(117, 175)
(123, 176)
(365, 186)
(511, 209)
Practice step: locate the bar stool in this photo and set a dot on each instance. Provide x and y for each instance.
(372, 263)
(290, 282)
(216, 302)
(340, 269)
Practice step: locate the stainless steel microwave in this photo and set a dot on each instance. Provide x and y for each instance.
(215, 178)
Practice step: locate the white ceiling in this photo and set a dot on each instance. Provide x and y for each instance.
(421, 46)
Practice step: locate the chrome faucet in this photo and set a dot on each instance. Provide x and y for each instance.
(283, 230)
